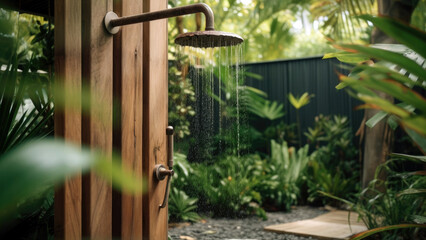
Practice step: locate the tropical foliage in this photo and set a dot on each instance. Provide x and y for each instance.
(258, 105)
(267, 26)
(181, 95)
(396, 74)
(398, 209)
(49, 162)
(340, 17)
(392, 208)
(229, 186)
(26, 113)
(297, 103)
(181, 207)
(285, 171)
(334, 168)
(238, 186)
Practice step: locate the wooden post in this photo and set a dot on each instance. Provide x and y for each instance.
(97, 73)
(379, 139)
(107, 67)
(68, 115)
(127, 210)
(155, 119)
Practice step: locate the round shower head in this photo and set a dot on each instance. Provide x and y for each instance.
(208, 39)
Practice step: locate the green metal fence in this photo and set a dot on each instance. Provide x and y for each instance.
(313, 75)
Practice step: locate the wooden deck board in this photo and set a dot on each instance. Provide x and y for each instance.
(332, 225)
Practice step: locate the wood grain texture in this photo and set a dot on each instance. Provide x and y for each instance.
(331, 225)
(97, 66)
(155, 119)
(127, 139)
(68, 115)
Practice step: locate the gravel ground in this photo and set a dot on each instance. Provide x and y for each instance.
(243, 229)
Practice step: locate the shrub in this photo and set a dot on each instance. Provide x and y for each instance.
(227, 187)
(334, 168)
(232, 192)
(181, 96)
(182, 207)
(224, 188)
(322, 179)
(399, 73)
(401, 202)
(283, 174)
(261, 136)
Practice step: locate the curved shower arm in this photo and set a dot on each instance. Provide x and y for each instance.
(112, 21)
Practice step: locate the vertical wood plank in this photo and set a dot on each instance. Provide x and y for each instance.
(127, 210)
(68, 116)
(97, 65)
(155, 119)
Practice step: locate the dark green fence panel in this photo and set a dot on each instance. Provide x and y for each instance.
(313, 75)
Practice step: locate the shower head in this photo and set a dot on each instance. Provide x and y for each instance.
(208, 39)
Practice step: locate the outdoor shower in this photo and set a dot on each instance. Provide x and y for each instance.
(209, 38)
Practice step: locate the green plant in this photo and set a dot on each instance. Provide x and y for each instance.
(406, 85)
(368, 233)
(263, 116)
(334, 168)
(282, 132)
(283, 173)
(26, 111)
(261, 135)
(181, 95)
(181, 207)
(42, 42)
(332, 139)
(341, 22)
(323, 179)
(32, 168)
(235, 101)
(227, 187)
(297, 103)
(20, 124)
(257, 104)
(402, 201)
(399, 75)
(183, 171)
(35, 215)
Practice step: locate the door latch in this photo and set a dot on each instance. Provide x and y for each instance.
(161, 172)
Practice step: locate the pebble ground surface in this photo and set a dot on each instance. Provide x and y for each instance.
(250, 228)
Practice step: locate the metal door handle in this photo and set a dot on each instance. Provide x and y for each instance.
(161, 171)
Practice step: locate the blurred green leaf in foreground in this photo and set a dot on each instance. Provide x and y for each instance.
(36, 166)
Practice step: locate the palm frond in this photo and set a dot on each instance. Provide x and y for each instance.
(340, 17)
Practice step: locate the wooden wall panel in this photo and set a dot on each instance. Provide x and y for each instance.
(127, 210)
(84, 57)
(155, 119)
(68, 114)
(97, 73)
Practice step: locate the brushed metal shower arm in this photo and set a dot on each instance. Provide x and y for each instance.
(113, 22)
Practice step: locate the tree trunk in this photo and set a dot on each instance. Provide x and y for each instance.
(378, 140)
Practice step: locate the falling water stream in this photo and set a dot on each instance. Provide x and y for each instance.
(216, 75)
(237, 79)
